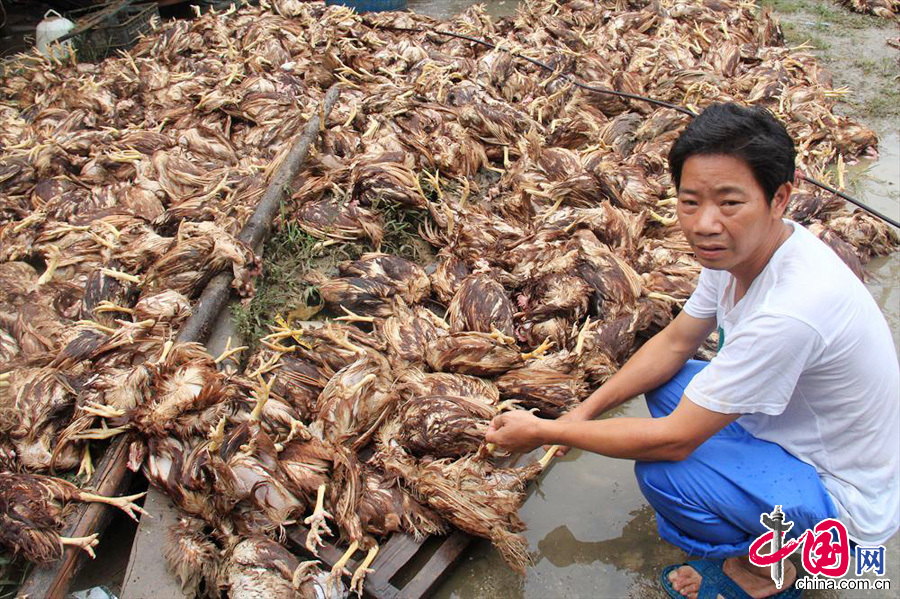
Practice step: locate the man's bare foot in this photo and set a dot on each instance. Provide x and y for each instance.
(687, 581)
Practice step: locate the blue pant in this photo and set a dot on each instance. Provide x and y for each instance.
(709, 504)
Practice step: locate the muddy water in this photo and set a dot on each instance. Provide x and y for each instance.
(590, 531)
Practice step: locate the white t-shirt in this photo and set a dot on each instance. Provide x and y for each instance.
(809, 360)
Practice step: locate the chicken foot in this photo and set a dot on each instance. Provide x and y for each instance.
(101, 433)
(302, 572)
(86, 466)
(121, 276)
(51, 268)
(124, 503)
(86, 543)
(103, 411)
(317, 522)
(229, 351)
(359, 576)
(108, 306)
(539, 350)
(338, 569)
(498, 335)
(351, 316)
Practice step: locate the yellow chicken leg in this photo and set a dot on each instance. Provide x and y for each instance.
(303, 572)
(351, 316)
(86, 467)
(51, 268)
(125, 503)
(551, 453)
(539, 350)
(501, 337)
(85, 543)
(229, 351)
(359, 576)
(317, 523)
(338, 569)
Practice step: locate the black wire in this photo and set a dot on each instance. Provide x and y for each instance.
(612, 92)
(839, 193)
(567, 77)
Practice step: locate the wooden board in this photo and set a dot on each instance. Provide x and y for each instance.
(402, 569)
(394, 556)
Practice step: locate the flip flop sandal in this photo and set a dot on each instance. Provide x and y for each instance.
(715, 582)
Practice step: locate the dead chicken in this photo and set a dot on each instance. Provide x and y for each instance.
(864, 232)
(354, 402)
(193, 557)
(201, 250)
(444, 415)
(247, 470)
(31, 508)
(298, 382)
(328, 218)
(43, 400)
(407, 332)
(478, 354)
(603, 346)
(448, 276)
(469, 493)
(481, 305)
(332, 346)
(406, 278)
(258, 567)
(349, 410)
(549, 391)
(367, 285)
(386, 177)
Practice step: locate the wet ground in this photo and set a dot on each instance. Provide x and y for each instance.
(590, 531)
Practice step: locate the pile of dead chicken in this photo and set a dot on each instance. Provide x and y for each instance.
(123, 185)
(886, 9)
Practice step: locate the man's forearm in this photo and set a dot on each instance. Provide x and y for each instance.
(653, 364)
(630, 438)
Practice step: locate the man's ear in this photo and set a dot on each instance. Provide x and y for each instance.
(781, 199)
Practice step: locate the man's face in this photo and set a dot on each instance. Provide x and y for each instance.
(723, 211)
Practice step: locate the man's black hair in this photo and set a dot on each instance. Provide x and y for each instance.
(751, 134)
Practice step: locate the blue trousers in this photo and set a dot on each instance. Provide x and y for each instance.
(709, 504)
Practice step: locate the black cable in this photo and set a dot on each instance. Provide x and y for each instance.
(850, 199)
(612, 92)
(567, 77)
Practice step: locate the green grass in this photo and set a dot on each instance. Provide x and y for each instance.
(884, 104)
(287, 257)
(823, 15)
(401, 231)
(290, 253)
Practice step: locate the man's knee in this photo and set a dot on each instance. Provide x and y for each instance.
(654, 480)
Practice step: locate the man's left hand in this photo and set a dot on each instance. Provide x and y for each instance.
(516, 431)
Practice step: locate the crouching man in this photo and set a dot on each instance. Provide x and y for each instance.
(801, 405)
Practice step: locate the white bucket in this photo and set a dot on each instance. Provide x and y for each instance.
(50, 29)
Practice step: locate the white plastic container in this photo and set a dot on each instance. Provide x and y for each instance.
(51, 28)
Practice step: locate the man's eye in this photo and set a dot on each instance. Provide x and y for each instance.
(731, 203)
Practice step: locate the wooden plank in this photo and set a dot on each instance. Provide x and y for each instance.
(438, 566)
(395, 553)
(147, 574)
(111, 477)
